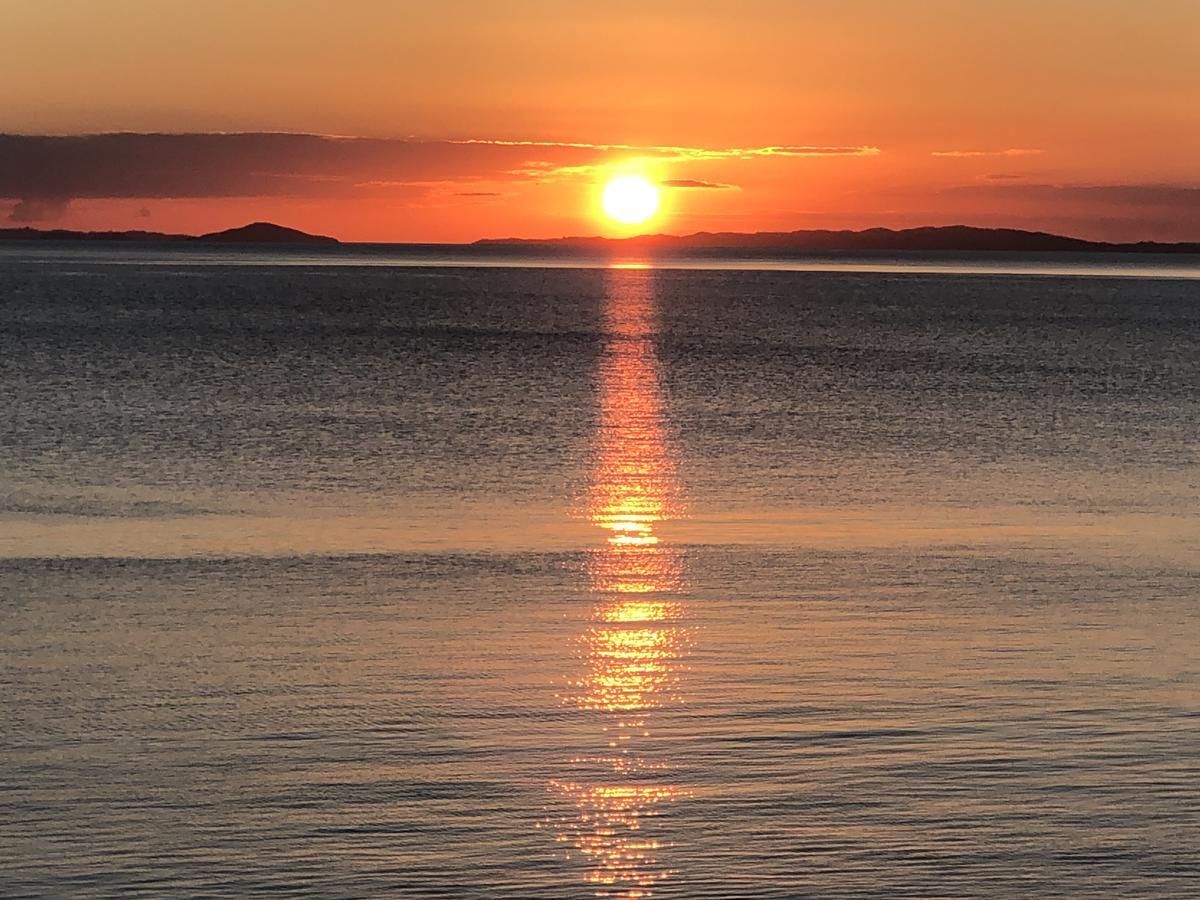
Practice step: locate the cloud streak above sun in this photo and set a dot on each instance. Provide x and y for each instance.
(686, 153)
(970, 154)
(697, 183)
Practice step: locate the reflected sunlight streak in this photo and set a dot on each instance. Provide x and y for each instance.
(633, 650)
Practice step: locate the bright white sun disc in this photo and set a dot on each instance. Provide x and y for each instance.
(630, 199)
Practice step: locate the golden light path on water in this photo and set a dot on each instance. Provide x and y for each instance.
(632, 651)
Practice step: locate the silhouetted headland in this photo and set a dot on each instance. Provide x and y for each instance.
(254, 233)
(265, 233)
(952, 238)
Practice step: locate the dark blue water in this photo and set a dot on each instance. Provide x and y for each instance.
(357, 580)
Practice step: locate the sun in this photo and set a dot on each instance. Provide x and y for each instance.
(630, 199)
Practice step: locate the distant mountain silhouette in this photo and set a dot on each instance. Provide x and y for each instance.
(265, 233)
(254, 233)
(962, 238)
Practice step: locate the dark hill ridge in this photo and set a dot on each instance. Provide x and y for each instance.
(265, 233)
(954, 238)
(254, 233)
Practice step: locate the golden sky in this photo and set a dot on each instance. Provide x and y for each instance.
(1076, 116)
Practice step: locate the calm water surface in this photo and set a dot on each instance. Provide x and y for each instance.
(452, 581)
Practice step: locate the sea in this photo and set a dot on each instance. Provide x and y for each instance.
(432, 572)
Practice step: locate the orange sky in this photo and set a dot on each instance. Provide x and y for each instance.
(1075, 116)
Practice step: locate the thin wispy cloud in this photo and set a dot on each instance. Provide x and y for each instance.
(697, 183)
(684, 153)
(1011, 151)
(804, 151)
(548, 170)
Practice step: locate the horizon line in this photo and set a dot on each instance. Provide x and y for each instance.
(617, 239)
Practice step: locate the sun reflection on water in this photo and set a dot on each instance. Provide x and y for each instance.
(633, 649)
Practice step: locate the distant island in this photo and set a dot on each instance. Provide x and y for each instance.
(950, 238)
(254, 233)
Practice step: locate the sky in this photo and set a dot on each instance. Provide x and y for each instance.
(389, 120)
